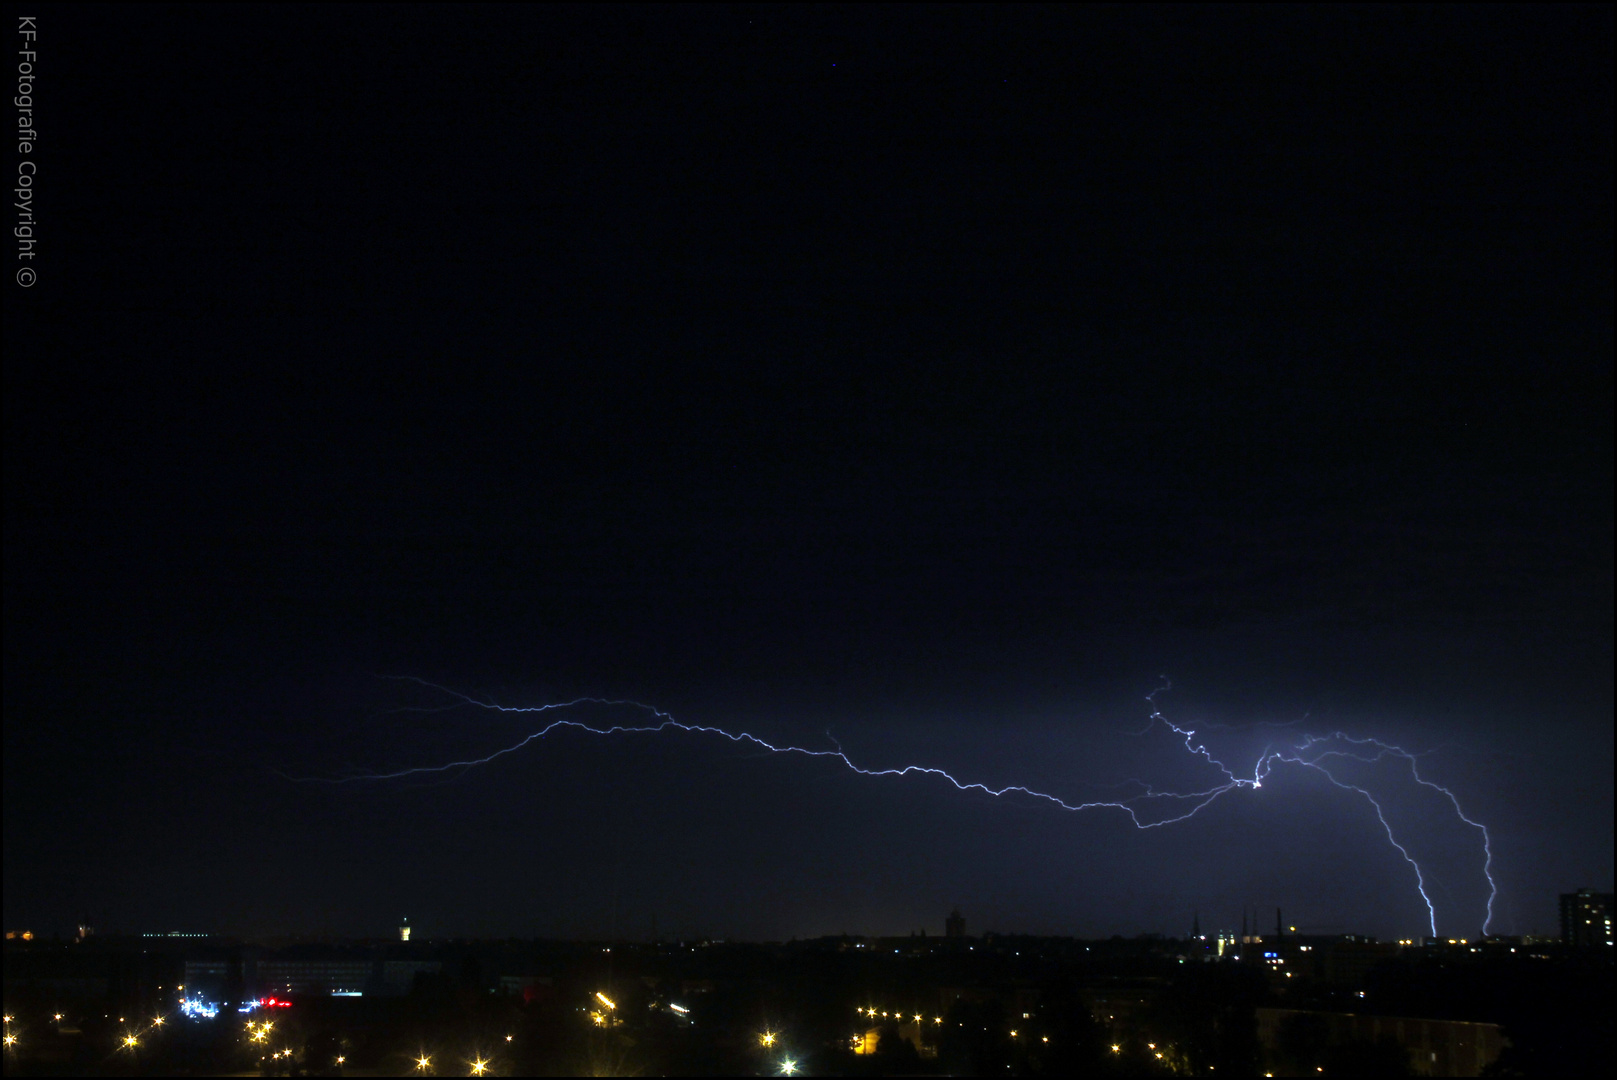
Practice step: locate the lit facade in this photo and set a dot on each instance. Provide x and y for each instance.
(297, 977)
(1586, 919)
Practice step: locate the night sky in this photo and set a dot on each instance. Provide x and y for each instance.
(935, 383)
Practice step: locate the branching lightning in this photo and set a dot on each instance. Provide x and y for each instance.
(1150, 809)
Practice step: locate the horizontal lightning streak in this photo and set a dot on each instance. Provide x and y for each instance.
(1312, 752)
(668, 723)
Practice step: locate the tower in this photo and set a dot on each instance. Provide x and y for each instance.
(404, 929)
(1586, 919)
(955, 925)
(1195, 926)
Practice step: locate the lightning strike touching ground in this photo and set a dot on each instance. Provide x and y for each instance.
(1310, 751)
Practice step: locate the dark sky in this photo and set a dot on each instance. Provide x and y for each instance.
(935, 381)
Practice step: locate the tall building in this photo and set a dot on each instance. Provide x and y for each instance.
(1586, 919)
(404, 929)
(955, 925)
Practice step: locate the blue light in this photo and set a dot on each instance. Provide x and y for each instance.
(198, 1009)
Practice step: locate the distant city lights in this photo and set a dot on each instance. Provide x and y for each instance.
(198, 1009)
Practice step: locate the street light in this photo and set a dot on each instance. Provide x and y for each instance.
(767, 1038)
(788, 1067)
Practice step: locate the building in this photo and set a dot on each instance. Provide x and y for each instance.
(345, 977)
(404, 929)
(397, 978)
(212, 977)
(315, 971)
(1434, 1047)
(1586, 919)
(1347, 964)
(955, 925)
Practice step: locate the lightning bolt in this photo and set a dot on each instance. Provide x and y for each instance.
(1370, 751)
(1165, 807)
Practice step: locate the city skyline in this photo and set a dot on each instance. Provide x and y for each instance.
(954, 1004)
(1248, 924)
